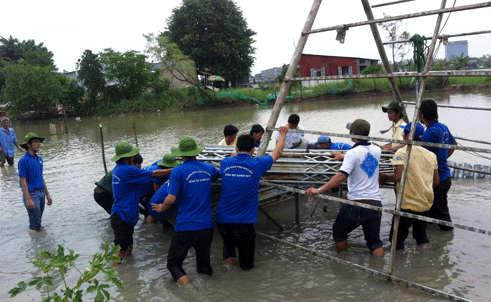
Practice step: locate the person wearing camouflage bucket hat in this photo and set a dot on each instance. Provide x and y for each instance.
(191, 183)
(127, 180)
(32, 181)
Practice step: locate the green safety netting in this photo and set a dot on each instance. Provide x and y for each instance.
(349, 89)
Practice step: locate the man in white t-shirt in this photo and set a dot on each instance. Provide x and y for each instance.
(361, 168)
(293, 121)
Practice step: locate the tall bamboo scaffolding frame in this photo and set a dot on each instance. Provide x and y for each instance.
(372, 22)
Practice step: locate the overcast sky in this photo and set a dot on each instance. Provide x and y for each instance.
(67, 28)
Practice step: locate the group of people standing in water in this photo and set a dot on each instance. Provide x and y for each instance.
(176, 189)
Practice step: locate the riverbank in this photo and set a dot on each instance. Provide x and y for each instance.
(172, 101)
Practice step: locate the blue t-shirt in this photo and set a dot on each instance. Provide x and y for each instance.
(439, 133)
(256, 144)
(339, 146)
(190, 182)
(126, 182)
(240, 183)
(31, 168)
(7, 141)
(159, 197)
(148, 187)
(332, 146)
(159, 180)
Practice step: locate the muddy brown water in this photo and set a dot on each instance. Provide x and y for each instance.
(458, 262)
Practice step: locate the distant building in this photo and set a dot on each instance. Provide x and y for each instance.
(268, 75)
(456, 48)
(320, 66)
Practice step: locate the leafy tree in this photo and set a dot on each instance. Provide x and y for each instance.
(71, 93)
(31, 87)
(215, 35)
(129, 69)
(394, 33)
(459, 62)
(90, 73)
(28, 52)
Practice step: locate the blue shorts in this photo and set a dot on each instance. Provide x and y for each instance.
(350, 217)
(35, 216)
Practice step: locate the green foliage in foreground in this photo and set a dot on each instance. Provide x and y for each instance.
(50, 262)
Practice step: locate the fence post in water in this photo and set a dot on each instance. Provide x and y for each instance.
(297, 208)
(102, 146)
(134, 129)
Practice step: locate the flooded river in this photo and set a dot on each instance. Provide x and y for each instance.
(458, 262)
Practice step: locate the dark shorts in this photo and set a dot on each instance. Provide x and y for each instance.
(419, 229)
(241, 236)
(104, 199)
(179, 247)
(10, 159)
(439, 209)
(123, 232)
(350, 217)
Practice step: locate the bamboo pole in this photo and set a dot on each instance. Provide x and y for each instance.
(390, 3)
(381, 50)
(102, 147)
(469, 170)
(134, 130)
(366, 269)
(285, 87)
(391, 140)
(407, 16)
(444, 36)
(456, 107)
(472, 140)
(443, 73)
(409, 144)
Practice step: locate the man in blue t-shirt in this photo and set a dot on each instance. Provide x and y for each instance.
(32, 182)
(324, 142)
(237, 209)
(168, 217)
(126, 181)
(189, 188)
(7, 142)
(438, 133)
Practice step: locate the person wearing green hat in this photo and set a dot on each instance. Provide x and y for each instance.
(189, 188)
(32, 182)
(396, 113)
(168, 161)
(126, 182)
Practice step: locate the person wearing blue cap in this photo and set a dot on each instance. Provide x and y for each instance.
(324, 142)
(422, 177)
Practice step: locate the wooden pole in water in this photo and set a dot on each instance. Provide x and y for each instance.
(411, 136)
(280, 100)
(102, 146)
(134, 129)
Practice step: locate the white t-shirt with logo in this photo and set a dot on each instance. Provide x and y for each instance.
(361, 164)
